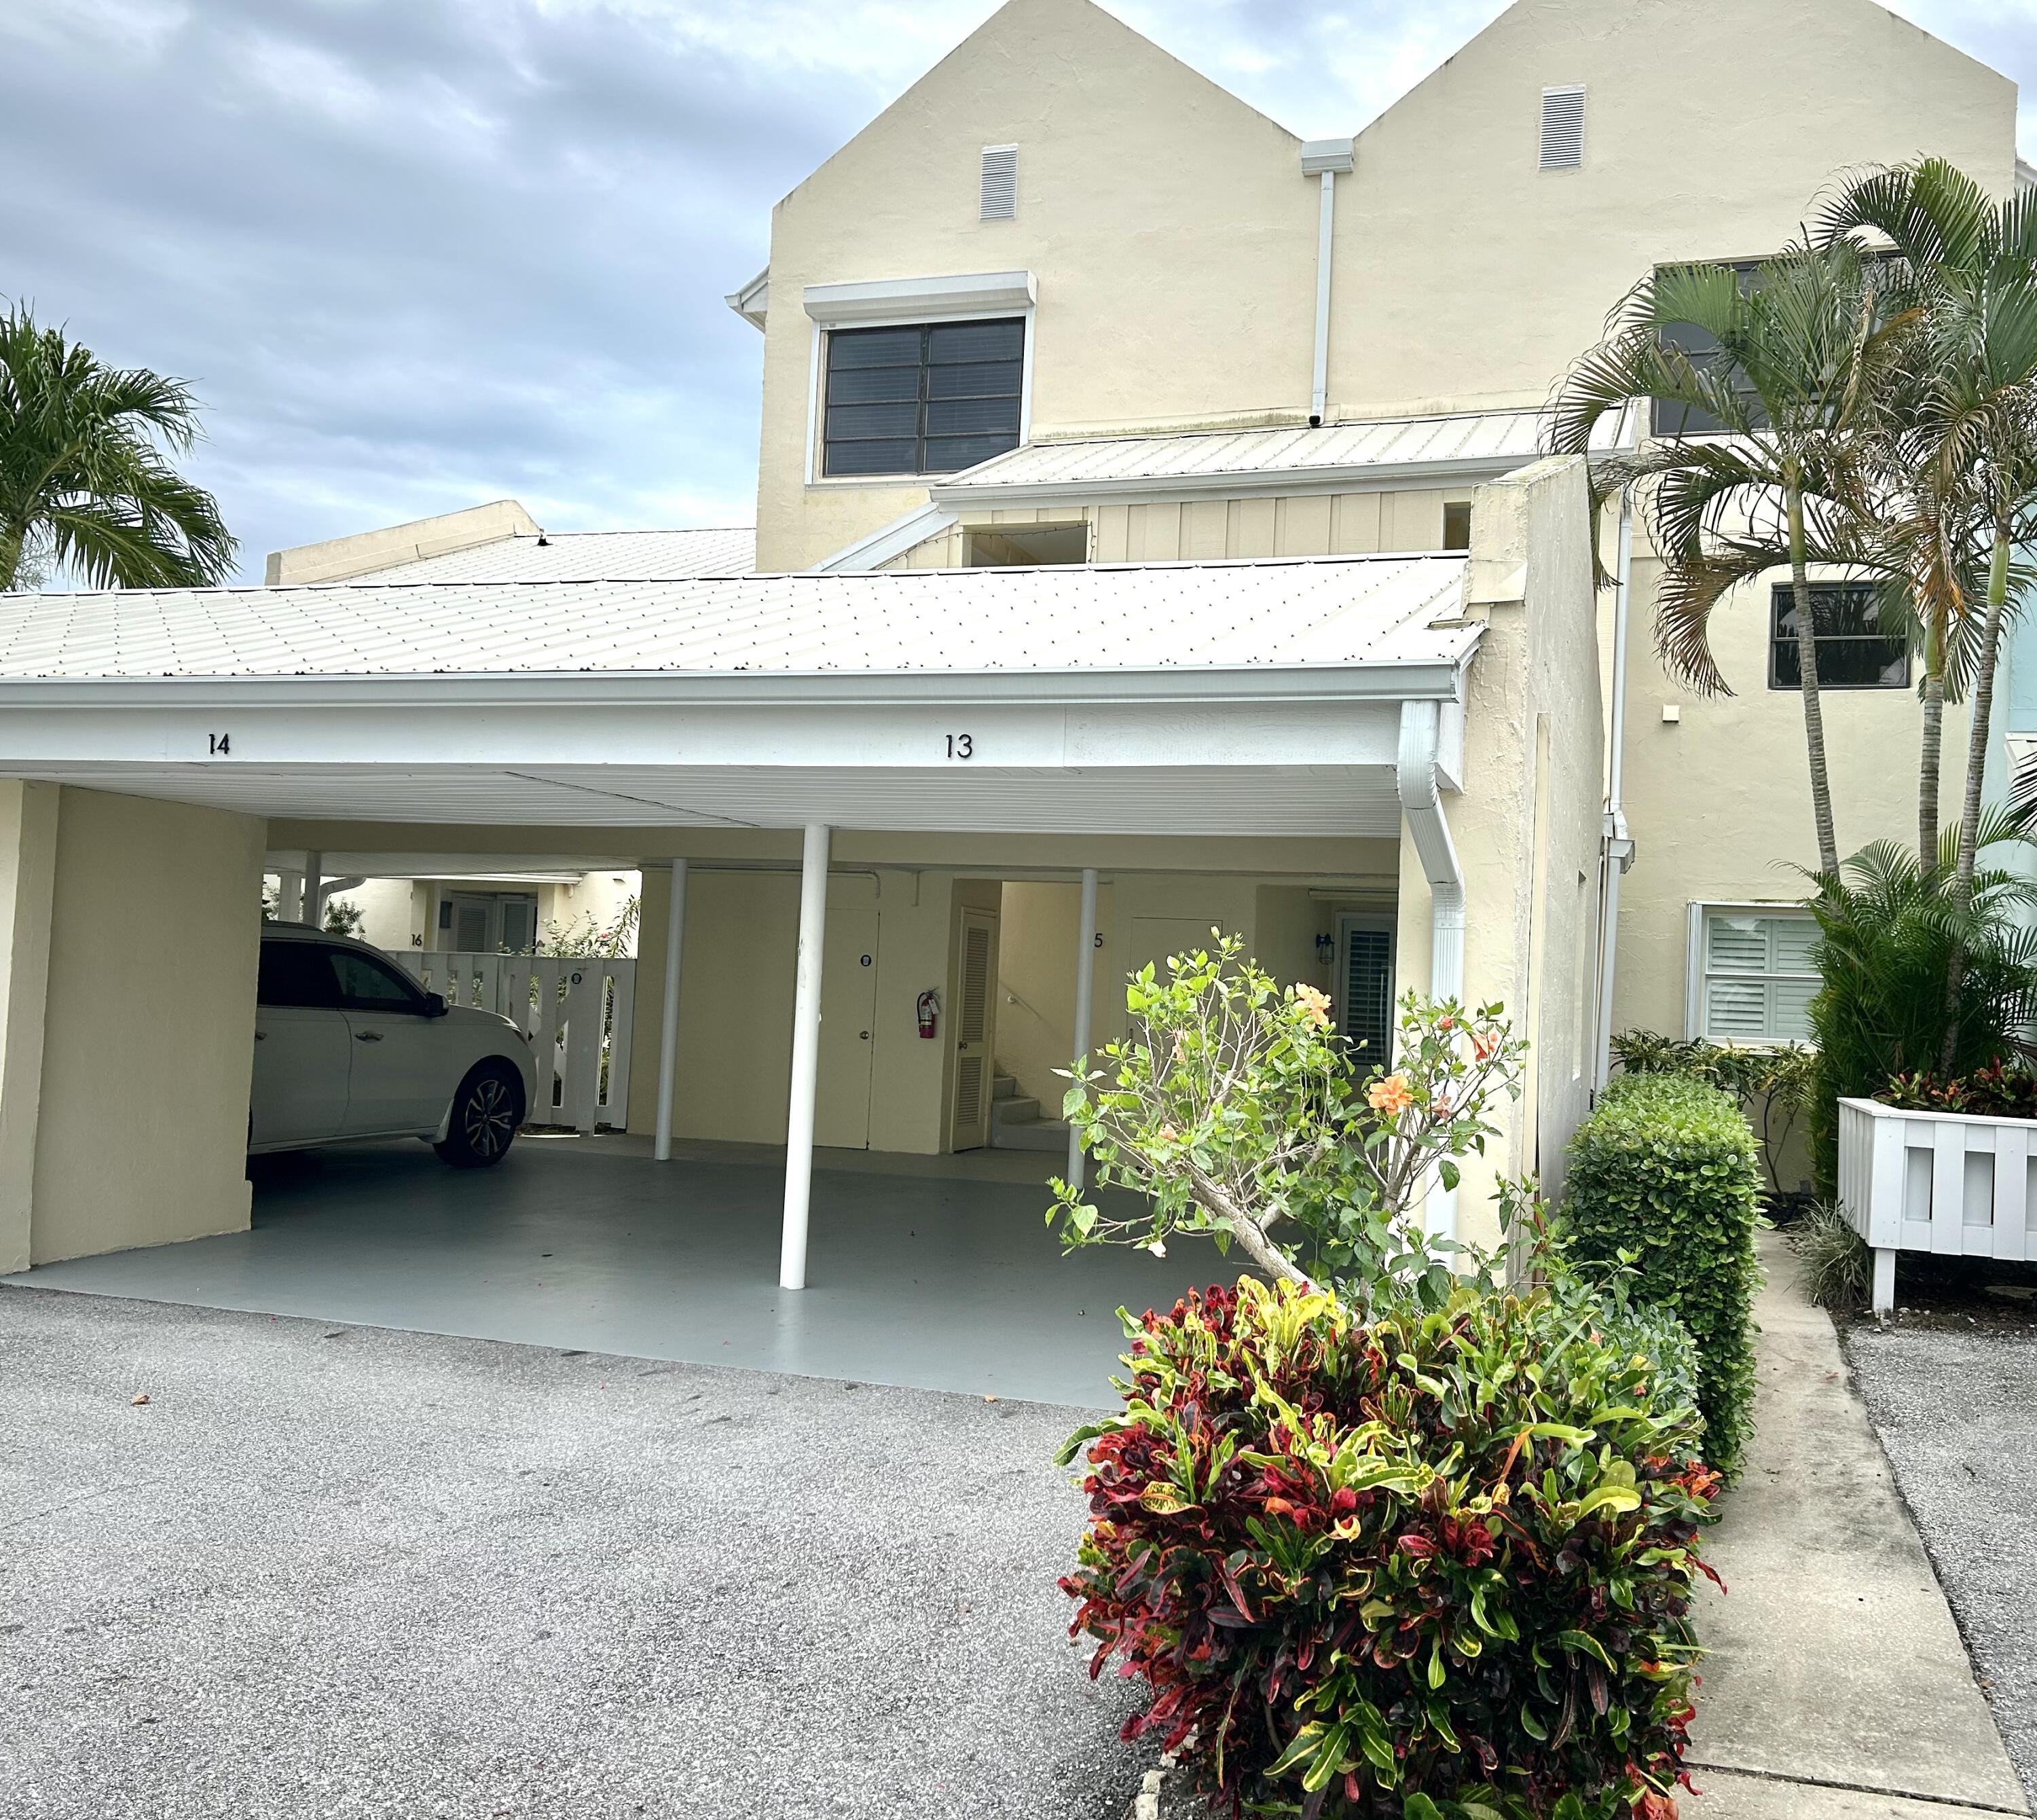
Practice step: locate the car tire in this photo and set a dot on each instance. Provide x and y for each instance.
(487, 1112)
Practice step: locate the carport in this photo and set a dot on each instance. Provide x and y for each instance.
(905, 732)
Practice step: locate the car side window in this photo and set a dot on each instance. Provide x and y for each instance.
(367, 984)
(296, 973)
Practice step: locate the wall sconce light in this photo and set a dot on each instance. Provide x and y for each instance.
(1325, 949)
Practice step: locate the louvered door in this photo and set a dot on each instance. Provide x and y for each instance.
(1363, 995)
(975, 1013)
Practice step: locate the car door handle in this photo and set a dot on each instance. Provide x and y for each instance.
(368, 1036)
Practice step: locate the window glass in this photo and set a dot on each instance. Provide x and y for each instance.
(1854, 650)
(1757, 976)
(296, 973)
(367, 984)
(929, 399)
(1673, 417)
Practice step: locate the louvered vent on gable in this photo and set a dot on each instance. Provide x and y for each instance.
(1564, 129)
(1000, 182)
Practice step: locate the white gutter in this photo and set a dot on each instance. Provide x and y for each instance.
(1617, 853)
(1421, 801)
(1325, 159)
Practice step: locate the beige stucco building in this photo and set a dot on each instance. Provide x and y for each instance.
(1151, 535)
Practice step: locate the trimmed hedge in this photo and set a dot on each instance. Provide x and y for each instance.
(1667, 1168)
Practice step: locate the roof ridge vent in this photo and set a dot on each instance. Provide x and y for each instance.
(1000, 184)
(1562, 147)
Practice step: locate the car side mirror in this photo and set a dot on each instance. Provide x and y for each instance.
(436, 1007)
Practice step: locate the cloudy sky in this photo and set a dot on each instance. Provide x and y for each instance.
(417, 254)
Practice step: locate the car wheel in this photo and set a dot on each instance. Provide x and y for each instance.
(486, 1112)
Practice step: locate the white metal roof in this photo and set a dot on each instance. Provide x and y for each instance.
(1472, 446)
(1401, 611)
(585, 556)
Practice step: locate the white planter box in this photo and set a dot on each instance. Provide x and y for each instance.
(1939, 1181)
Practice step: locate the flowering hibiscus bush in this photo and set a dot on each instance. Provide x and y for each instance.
(1234, 1108)
(1436, 1566)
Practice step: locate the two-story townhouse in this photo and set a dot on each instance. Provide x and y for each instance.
(1150, 536)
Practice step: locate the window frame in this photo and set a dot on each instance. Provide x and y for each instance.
(1696, 973)
(923, 318)
(1782, 599)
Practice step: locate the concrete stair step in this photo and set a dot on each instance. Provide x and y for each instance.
(1016, 1123)
(1003, 1087)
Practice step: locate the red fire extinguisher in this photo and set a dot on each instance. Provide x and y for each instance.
(930, 1011)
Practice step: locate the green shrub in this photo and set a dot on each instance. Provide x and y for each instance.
(1773, 1085)
(1838, 1269)
(1665, 1170)
(1438, 1566)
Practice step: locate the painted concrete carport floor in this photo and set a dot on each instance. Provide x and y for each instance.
(938, 1273)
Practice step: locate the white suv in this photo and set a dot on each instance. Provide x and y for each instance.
(347, 1045)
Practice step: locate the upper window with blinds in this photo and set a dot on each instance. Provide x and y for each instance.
(1000, 184)
(1563, 144)
(929, 398)
(1756, 975)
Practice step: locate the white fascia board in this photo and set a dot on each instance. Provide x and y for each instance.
(1362, 476)
(890, 540)
(752, 301)
(54, 697)
(895, 300)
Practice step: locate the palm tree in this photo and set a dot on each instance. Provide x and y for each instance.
(86, 481)
(1769, 384)
(1966, 266)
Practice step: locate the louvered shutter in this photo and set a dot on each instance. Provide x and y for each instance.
(1366, 1015)
(1760, 975)
(1000, 182)
(1564, 128)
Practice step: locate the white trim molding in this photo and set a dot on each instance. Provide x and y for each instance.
(752, 301)
(887, 541)
(921, 299)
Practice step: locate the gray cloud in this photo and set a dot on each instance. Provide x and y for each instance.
(419, 253)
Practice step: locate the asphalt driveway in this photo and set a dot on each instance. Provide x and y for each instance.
(344, 1571)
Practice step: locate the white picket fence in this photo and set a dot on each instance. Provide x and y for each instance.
(1940, 1182)
(577, 1012)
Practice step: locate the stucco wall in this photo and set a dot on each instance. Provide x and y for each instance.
(28, 883)
(1467, 276)
(1719, 800)
(149, 1038)
(1169, 224)
(1173, 236)
(1526, 824)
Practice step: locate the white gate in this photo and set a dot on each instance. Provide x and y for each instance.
(576, 1009)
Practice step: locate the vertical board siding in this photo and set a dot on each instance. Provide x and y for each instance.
(1305, 525)
(1355, 523)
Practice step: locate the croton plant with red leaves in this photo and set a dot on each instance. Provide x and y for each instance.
(1434, 1566)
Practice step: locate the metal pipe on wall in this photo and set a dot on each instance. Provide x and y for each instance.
(1324, 159)
(1085, 992)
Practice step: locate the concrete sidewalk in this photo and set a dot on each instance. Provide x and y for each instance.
(1837, 1687)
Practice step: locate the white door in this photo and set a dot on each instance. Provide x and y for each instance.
(404, 1063)
(849, 1029)
(471, 926)
(975, 1028)
(301, 1047)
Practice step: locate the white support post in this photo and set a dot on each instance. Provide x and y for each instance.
(315, 889)
(1085, 986)
(668, 1028)
(289, 897)
(806, 1058)
(1884, 1280)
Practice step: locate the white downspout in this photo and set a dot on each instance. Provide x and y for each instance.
(806, 1057)
(668, 1020)
(1324, 159)
(1421, 801)
(1617, 852)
